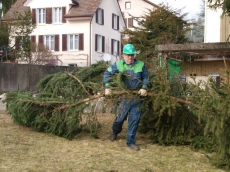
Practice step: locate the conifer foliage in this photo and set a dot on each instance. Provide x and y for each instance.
(58, 106)
(215, 110)
(162, 25)
(170, 116)
(173, 113)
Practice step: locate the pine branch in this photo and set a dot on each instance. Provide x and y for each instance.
(79, 83)
(118, 94)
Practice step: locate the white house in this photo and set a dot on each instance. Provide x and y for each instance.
(78, 31)
(135, 9)
(216, 28)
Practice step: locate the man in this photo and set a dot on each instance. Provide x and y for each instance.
(136, 78)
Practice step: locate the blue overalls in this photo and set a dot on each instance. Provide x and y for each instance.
(137, 78)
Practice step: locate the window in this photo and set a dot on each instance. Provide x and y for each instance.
(115, 22)
(99, 43)
(49, 42)
(129, 22)
(100, 16)
(136, 21)
(48, 15)
(73, 42)
(127, 5)
(114, 47)
(41, 15)
(57, 13)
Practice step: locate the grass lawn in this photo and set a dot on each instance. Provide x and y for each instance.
(25, 150)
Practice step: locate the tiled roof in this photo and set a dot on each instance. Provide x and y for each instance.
(85, 8)
(18, 6)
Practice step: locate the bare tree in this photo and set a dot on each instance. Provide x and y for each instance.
(41, 55)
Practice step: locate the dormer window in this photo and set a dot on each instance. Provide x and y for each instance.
(127, 5)
(100, 16)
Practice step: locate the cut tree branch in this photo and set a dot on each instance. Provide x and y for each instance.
(117, 94)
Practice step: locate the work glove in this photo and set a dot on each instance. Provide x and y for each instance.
(108, 92)
(142, 92)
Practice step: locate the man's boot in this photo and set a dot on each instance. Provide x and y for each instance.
(134, 147)
(112, 137)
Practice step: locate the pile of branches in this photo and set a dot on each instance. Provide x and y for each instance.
(174, 112)
(58, 105)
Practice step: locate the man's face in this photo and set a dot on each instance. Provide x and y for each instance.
(129, 58)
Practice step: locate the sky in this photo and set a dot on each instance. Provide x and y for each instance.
(193, 7)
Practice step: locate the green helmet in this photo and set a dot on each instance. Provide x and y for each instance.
(129, 49)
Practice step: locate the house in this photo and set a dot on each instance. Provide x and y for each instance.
(79, 32)
(134, 10)
(216, 27)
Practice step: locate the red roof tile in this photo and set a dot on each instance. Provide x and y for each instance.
(85, 8)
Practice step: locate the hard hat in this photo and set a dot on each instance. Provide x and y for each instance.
(129, 49)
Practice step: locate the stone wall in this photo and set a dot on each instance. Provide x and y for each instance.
(15, 77)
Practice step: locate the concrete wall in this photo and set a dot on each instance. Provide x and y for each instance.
(25, 76)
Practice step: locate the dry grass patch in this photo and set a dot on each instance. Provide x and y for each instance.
(24, 150)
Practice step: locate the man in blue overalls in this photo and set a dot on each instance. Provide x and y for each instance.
(136, 78)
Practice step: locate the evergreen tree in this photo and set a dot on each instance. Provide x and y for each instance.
(19, 35)
(6, 5)
(162, 25)
(4, 35)
(196, 34)
(222, 4)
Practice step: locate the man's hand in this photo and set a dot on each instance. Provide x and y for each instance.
(108, 92)
(142, 92)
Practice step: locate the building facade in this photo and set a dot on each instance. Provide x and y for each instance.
(77, 31)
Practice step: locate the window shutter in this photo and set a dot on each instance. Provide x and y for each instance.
(41, 39)
(102, 17)
(112, 46)
(56, 43)
(97, 16)
(117, 22)
(64, 42)
(34, 16)
(33, 39)
(95, 42)
(118, 47)
(130, 22)
(81, 41)
(17, 43)
(103, 44)
(63, 14)
(33, 43)
(112, 20)
(48, 15)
